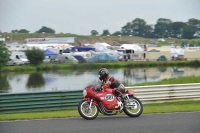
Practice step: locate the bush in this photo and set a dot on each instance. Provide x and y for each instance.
(194, 63)
(4, 55)
(35, 56)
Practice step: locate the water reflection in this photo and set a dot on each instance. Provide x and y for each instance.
(177, 72)
(162, 69)
(4, 84)
(77, 80)
(35, 81)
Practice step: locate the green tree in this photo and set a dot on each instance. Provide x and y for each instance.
(94, 33)
(177, 29)
(116, 33)
(4, 55)
(127, 30)
(23, 31)
(138, 27)
(15, 31)
(45, 30)
(188, 32)
(20, 31)
(195, 23)
(164, 20)
(105, 33)
(162, 28)
(35, 56)
(148, 31)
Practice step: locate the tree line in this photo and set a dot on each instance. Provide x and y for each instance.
(163, 28)
(44, 29)
(138, 27)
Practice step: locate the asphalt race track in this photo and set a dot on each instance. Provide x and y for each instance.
(153, 123)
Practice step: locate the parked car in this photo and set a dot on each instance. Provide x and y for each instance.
(177, 57)
(13, 62)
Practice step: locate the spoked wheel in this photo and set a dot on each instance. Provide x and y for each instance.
(86, 111)
(134, 107)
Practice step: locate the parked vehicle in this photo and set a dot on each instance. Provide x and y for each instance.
(80, 58)
(20, 55)
(46, 60)
(13, 62)
(70, 59)
(105, 102)
(127, 54)
(54, 59)
(10, 63)
(177, 57)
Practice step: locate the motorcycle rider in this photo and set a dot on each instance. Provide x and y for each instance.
(109, 81)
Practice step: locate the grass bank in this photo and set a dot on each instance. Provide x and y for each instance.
(179, 80)
(168, 107)
(135, 64)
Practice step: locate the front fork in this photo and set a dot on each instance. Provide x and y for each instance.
(131, 104)
(125, 96)
(90, 103)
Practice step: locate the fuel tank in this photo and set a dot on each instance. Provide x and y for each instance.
(107, 99)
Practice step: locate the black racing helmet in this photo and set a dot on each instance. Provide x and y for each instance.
(103, 73)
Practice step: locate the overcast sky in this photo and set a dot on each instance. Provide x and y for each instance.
(83, 16)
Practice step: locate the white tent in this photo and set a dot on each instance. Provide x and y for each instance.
(101, 47)
(104, 47)
(134, 47)
(176, 51)
(138, 51)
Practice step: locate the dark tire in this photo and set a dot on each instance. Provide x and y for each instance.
(134, 108)
(86, 112)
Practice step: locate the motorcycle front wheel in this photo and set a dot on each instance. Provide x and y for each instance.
(133, 107)
(86, 111)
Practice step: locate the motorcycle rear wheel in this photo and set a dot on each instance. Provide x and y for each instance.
(86, 112)
(134, 108)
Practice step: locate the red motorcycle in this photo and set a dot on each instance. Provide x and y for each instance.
(105, 102)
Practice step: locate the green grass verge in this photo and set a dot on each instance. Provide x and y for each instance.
(167, 107)
(179, 80)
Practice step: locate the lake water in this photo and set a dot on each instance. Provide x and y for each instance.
(77, 80)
